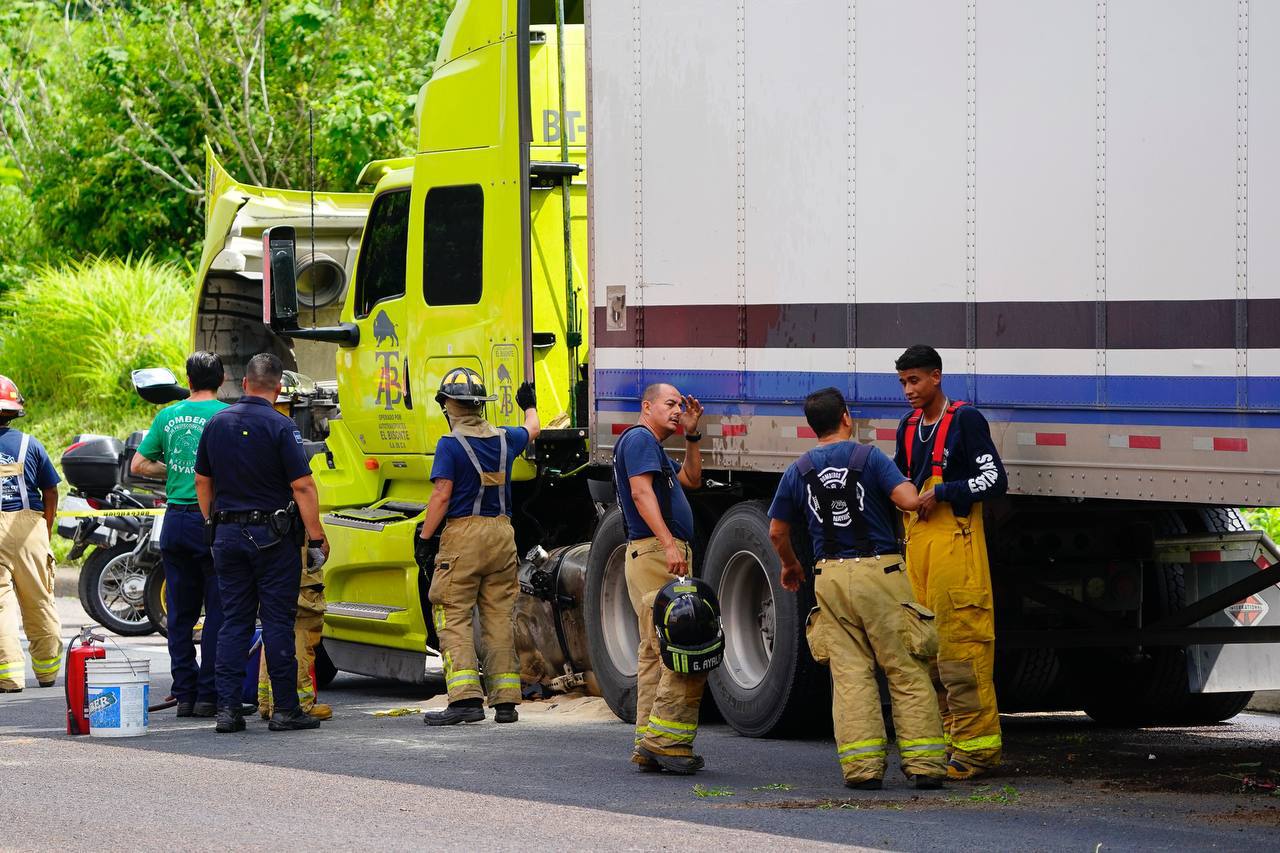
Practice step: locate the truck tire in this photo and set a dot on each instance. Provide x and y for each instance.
(326, 672)
(613, 633)
(769, 683)
(1155, 690)
(112, 591)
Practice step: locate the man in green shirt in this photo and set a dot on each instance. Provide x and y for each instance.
(169, 451)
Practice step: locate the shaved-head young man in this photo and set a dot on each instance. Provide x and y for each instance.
(659, 525)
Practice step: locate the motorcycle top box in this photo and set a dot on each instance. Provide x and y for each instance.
(92, 465)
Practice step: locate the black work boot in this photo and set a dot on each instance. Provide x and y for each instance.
(926, 783)
(187, 709)
(681, 765)
(864, 784)
(292, 720)
(228, 721)
(471, 712)
(505, 712)
(201, 709)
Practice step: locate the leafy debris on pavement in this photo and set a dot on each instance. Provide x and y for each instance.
(705, 791)
(773, 786)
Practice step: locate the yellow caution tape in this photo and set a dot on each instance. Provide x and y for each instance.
(397, 712)
(94, 513)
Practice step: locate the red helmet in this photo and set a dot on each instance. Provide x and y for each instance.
(10, 398)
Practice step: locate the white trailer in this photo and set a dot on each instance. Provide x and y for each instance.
(1074, 202)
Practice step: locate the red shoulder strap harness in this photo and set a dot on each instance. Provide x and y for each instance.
(939, 439)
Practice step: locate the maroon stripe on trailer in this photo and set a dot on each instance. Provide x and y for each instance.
(1133, 324)
(733, 429)
(1231, 445)
(619, 429)
(1144, 442)
(1206, 556)
(805, 432)
(1051, 439)
(886, 434)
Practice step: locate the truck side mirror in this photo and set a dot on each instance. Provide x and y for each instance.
(279, 278)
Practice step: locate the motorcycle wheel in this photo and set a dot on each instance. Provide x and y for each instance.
(157, 603)
(113, 591)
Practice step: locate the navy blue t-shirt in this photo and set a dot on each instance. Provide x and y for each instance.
(794, 504)
(37, 471)
(451, 463)
(971, 466)
(639, 452)
(253, 453)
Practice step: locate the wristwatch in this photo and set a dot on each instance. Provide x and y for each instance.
(693, 436)
(315, 543)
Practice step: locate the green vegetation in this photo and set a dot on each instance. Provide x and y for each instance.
(773, 786)
(1004, 796)
(107, 104)
(1266, 519)
(705, 791)
(70, 337)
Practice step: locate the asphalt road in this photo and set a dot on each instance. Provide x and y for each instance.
(560, 778)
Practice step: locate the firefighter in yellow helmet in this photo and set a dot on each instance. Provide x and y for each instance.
(843, 493)
(475, 562)
(28, 503)
(945, 447)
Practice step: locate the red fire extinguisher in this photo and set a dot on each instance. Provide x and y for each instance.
(80, 650)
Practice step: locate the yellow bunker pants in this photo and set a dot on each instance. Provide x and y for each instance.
(666, 702)
(307, 628)
(476, 567)
(865, 616)
(949, 571)
(26, 587)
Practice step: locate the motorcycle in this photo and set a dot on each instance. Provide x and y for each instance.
(123, 550)
(122, 580)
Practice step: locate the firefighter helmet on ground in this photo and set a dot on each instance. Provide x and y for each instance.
(464, 385)
(11, 402)
(686, 615)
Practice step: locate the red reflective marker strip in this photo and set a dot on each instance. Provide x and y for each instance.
(1233, 445)
(619, 429)
(886, 434)
(1144, 442)
(1051, 439)
(733, 429)
(805, 432)
(1206, 556)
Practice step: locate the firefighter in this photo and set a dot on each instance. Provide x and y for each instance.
(659, 525)
(254, 484)
(169, 452)
(475, 563)
(844, 493)
(28, 503)
(945, 447)
(308, 625)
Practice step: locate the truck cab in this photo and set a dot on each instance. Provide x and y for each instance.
(464, 254)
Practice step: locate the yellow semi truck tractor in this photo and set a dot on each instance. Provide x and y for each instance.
(775, 197)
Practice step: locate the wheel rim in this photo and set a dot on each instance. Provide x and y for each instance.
(617, 617)
(122, 590)
(746, 608)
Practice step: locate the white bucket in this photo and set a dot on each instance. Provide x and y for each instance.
(119, 690)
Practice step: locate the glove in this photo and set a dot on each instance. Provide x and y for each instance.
(525, 397)
(315, 558)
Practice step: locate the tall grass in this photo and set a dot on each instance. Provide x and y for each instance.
(1266, 519)
(71, 335)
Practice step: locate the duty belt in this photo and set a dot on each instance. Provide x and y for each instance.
(888, 570)
(248, 516)
(182, 507)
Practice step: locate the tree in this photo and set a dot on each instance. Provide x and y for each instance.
(106, 104)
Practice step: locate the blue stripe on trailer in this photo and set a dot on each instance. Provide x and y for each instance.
(1154, 400)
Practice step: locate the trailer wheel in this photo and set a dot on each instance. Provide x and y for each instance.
(769, 684)
(326, 672)
(613, 632)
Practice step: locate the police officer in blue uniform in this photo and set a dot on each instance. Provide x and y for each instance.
(254, 484)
